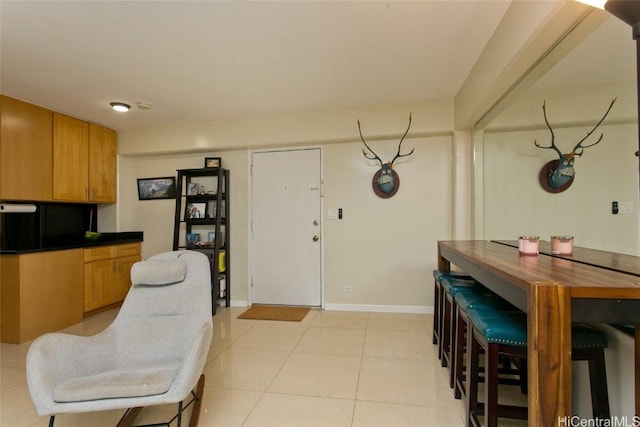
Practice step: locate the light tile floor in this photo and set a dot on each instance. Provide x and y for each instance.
(332, 369)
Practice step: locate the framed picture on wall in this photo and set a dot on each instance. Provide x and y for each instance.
(157, 188)
(213, 162)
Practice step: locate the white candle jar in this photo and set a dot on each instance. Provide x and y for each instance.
(528, 245)
(561, 245)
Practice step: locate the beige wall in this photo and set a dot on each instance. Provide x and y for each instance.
(302, 128)
(384, 249)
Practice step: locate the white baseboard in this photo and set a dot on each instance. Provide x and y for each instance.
(416, 309)
(239, 303)
(233, 302)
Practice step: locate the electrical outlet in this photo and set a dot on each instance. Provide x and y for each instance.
(347, 288)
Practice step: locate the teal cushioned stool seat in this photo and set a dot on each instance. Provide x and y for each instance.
(438, 275)
(500, 327)
(510, 328)
(584, 336)
(467, 300)
(504, 333)
(449, 287)
(452, 283)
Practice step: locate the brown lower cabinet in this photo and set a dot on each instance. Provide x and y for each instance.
(47, 291)
(107, 274)
(40, 292)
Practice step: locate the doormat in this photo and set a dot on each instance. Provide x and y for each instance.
(275, 312)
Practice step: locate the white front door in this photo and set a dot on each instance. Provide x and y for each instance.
(286, 214)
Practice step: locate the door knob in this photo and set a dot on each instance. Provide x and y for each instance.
(316, 238)
(315, 222)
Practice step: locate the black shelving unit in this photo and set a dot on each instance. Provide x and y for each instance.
(202, 208)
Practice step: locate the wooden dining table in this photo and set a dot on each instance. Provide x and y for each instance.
(588, 286)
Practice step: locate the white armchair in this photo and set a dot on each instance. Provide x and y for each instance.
(152, 354)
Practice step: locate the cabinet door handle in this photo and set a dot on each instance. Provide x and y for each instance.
(94, 193)
(86, 194)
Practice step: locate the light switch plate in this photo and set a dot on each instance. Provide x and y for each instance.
(332, 213)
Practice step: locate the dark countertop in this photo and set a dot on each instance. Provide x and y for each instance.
(81, 242)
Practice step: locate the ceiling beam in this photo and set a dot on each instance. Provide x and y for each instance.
(531, 38)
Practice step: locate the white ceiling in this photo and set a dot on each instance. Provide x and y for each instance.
(212, 60)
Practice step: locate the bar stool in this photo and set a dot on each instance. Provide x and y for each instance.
(471, 295)
(505, 333)
(465, 301)
(449, 287)
(438, 275)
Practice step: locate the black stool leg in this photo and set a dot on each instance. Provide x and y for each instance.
(436, 311)
(444, 330)
(458, 357)
(524, 376)
(453, 328)
(598, 380)
(473, 362)
(491, 356)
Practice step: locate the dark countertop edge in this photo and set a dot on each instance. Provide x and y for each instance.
(105, 239)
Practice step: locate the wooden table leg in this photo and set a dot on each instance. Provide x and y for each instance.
(443, 263)
(549, 354)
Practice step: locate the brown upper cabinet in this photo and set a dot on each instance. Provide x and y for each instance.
(26, 135)
(103, 148)
(84, 161)
(46, 156)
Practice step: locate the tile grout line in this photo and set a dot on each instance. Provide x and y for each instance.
(364, 341)
(263, 392)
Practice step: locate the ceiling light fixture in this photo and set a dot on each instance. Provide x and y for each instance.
(120, 106)
(595, 3)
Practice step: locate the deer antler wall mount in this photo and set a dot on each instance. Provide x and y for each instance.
(385, 181)
(557, 175)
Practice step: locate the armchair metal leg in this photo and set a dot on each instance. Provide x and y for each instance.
(130, 415)
(196, 400)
